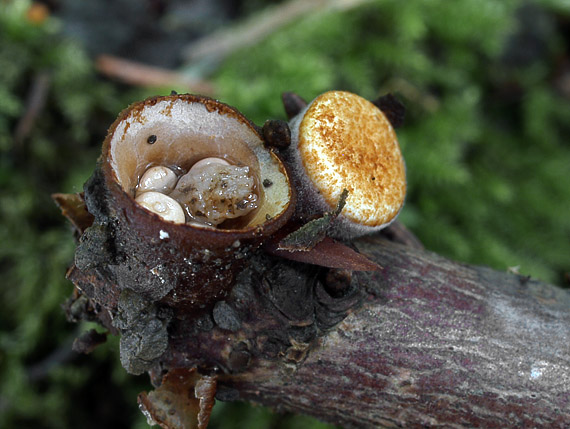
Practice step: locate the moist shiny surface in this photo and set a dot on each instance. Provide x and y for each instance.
(212, 193)
(179, 131)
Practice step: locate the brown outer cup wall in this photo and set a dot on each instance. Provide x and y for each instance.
(200, 263)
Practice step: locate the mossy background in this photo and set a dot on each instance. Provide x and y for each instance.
(487, 87)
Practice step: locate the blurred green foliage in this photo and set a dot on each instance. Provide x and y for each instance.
(56, 154)
(485, 145)
(485, 138)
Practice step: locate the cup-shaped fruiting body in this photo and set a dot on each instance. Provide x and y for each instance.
(181, 184)
(343, 141)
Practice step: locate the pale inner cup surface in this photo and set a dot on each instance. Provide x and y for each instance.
(178, 133)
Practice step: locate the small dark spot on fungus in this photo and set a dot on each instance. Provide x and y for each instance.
(151, 139)
(267, 183)
(173, 92)
(373, 178)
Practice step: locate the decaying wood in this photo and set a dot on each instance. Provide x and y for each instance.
(423, 342)
(435, 343)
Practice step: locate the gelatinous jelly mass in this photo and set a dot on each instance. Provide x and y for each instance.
(210, 193)
(213, 193)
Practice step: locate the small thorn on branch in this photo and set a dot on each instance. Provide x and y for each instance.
(293, 104)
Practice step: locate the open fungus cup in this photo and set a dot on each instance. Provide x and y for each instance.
(190, 264)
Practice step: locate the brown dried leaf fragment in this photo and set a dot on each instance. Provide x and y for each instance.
(73, 207)
(309, 244)
(183, 400)
(327, 253)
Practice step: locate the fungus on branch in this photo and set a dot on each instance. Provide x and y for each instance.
(343, 141)
(193, 219)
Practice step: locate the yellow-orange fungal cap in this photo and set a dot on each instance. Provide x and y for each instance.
(345, 141)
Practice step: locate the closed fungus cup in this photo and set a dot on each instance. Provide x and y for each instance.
(343, 141)
(189, 189)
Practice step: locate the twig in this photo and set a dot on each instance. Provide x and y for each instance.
(219, 44)
(34, 104)
(134, 73)
(436, 344)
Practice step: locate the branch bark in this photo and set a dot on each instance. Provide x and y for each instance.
(435, 343)
(423, 342)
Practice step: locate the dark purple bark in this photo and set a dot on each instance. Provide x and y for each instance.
(435, 343)
(423, 342)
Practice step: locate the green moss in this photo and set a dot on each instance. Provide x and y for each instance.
(484, 140)
(485, 143)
